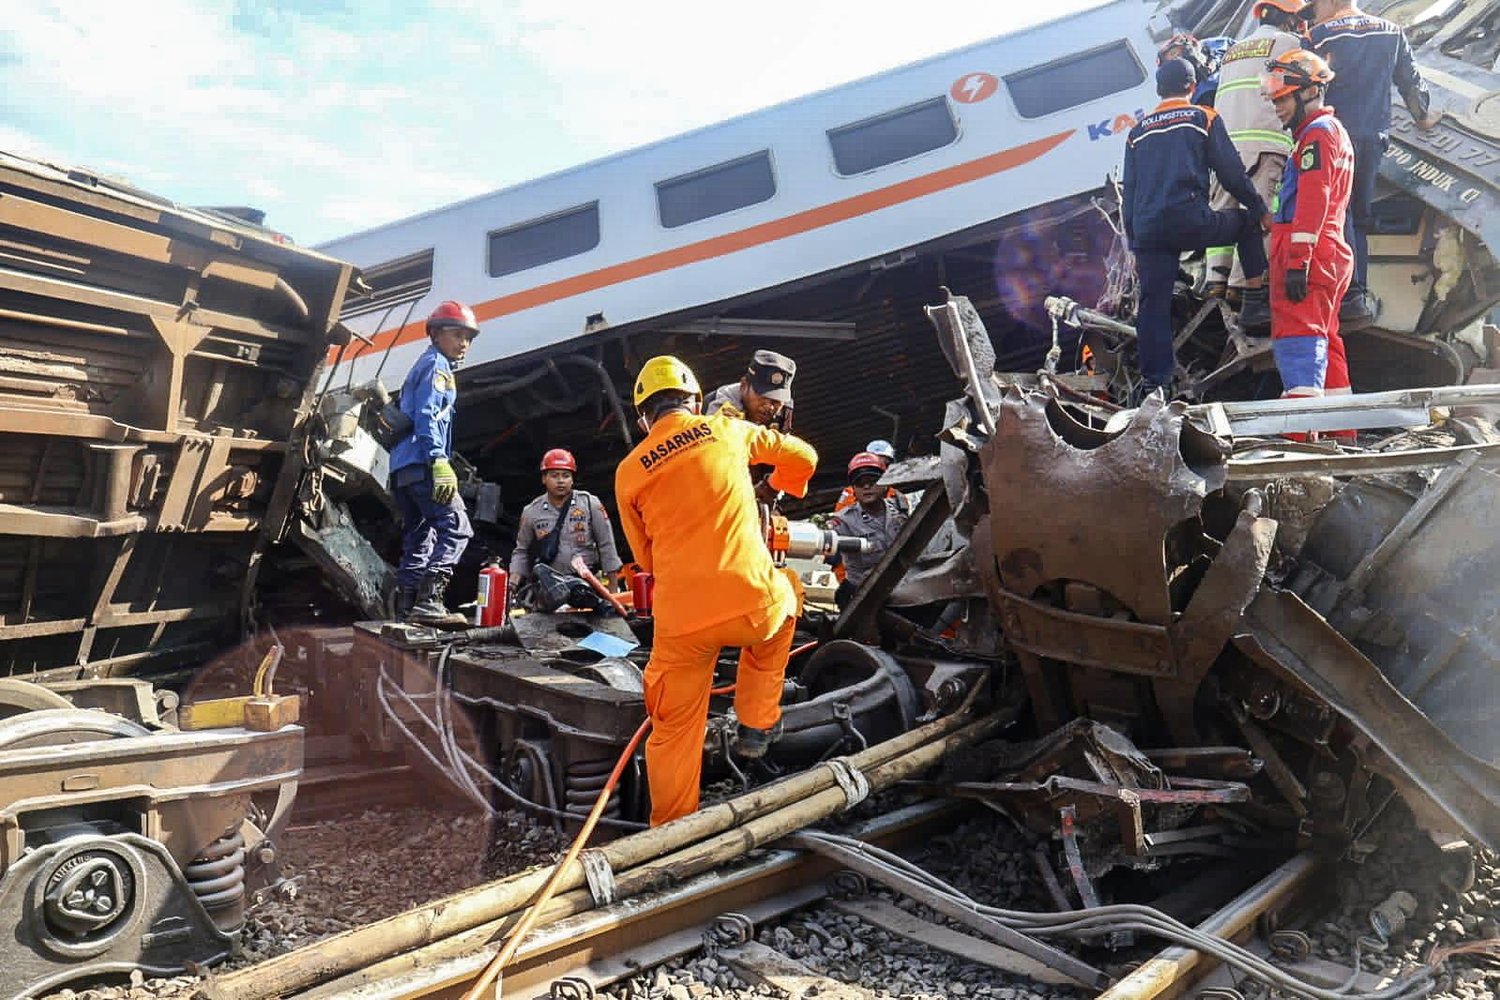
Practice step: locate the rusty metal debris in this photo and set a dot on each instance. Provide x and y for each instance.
(1139, 581)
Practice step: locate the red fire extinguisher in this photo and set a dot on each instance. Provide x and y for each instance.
(493, 584)
(643, 592)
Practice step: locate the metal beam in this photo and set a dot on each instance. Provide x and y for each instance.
(786, 328)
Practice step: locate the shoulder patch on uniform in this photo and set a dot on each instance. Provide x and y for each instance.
(441, 380)
(1311, 158)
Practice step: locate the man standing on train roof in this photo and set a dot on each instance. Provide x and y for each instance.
(1171, 156)
(1367, 54)
(1253, 127)
(763, 395)
(562, 523)
(690, 516)
(434, 524)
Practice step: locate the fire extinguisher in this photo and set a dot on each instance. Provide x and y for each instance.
(491, 598)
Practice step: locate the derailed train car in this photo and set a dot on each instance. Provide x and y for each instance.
(156, 364)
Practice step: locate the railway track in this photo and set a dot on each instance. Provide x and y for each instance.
(754, 860)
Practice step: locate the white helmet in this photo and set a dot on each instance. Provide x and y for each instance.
(883, 448)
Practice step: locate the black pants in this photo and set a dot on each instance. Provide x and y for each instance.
(1156, 272)
(1368, 151)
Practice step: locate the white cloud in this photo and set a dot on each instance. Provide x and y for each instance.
(340, 120)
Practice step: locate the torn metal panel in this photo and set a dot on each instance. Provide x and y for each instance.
(1284, 632)
(1409, 580)
(1063, 494)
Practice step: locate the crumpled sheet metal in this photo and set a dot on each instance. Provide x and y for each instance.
(1426, 613)
(1072, 503)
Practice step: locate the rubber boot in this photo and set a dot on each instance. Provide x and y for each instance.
(403, 600)
(430, 609)
(1255, 312)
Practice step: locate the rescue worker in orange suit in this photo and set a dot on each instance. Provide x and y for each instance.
(1251, 122)
(562, 523)
(877, 517)
(886, 452)
(1368, 54)
(690, 516)
(1170, 157)
(1311, 264)
(434, 524)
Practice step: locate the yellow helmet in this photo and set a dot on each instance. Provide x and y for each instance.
(664, 372)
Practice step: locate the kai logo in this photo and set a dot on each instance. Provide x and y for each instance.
(1119, 126)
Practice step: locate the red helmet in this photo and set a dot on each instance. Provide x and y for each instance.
(559, 458)
(452, 313)
(865, 460)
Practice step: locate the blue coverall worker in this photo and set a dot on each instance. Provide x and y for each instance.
(434, 524)
(1368, 54)
(1171, 157)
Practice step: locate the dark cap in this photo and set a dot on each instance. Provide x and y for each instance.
(1175, 77)
(771, 374)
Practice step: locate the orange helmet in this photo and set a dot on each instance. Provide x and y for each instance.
(1285, 6)
(559, 458)
(865, 461)
(1294, 71)
(451, 314)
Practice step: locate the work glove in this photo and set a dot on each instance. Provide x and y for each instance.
(1296, 284)
(444, 481)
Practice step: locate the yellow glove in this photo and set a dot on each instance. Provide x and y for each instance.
(444, 481)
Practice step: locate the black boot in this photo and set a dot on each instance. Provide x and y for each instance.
(753, 743)
(402, 601)
(1358, 310)
(1255, 312)
(430, 609)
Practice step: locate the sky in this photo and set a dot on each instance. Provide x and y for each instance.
(337, 115)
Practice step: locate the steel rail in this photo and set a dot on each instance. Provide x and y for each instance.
(604, 945)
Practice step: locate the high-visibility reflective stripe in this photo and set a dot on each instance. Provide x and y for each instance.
(1304, 237)
(1262, 135)
(1249, 81)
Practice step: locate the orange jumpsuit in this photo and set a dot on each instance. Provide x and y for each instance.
(689, 513)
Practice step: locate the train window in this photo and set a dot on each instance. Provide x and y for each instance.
(715, 190)
(542, 241)
(394, 283)
(892, 137)
(1075, 79)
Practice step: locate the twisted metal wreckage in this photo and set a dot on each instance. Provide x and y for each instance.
(1214, 641)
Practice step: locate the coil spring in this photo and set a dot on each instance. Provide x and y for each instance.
(582, 784)
(217, 875)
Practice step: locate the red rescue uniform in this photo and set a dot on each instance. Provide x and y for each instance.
(689, 513)
(1308, 234)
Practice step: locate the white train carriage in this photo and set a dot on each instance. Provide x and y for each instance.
(854, 173)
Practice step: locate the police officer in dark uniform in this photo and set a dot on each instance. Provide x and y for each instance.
(1171, 156)
(1367, 54)
(434, 524)
(763, 395)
